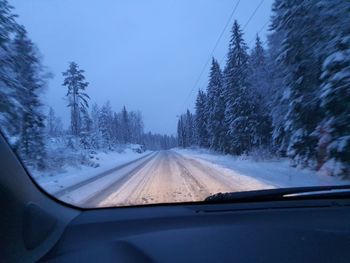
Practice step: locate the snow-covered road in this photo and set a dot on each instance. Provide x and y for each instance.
(182, 176)
(170, 177)
(91, 189)
(162, 177)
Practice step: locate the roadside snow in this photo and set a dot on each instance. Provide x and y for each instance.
(54, 181)
(276, 173)
(87, 194)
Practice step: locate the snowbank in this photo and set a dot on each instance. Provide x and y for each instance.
(277, 172)
(58, 179)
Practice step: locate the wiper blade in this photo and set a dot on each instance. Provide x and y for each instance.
(270, 194)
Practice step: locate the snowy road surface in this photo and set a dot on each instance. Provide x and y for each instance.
(162, 177)
(184, 176)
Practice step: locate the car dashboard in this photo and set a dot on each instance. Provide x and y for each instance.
(285, 231)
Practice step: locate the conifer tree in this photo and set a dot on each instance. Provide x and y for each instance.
(28, 71)
(181, 132)
(190, 129)
(95, 134)
(261, 94)
(334, 130)
(239, 113)
(215, 108)
(201, 120)
(10, 89)
(105, 125)
(54, 126)
(125, 126)
(77, 97)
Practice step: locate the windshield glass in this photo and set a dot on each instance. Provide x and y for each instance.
(121, 103)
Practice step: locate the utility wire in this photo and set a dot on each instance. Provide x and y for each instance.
(211, 54)
(265, 42)
(253, 14)
(247, 23)
(252, 40)
(217, 42)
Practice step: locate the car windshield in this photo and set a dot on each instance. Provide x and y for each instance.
(122, 103)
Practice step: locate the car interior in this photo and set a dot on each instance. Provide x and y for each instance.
(175, 131)
(35, 227)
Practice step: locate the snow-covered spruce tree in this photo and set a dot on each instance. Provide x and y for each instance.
(201, 119)
(186, 130)
(105, 126)
(85, 130)
(116, 128)
(10, 107)
(125, 126)
(86, 122)
(239, 113)
(261, 92)
(215, 108)
(136, 127)
(50, 122)
(74, 80)
(54, 126)
(95, 134)
(181, 134)
(334, 130)
(28, 71)
(278, 102)
(297, 19)
(190, 138)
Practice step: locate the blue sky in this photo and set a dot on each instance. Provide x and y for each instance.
(146, 55)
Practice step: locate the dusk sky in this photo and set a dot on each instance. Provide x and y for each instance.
(146, 55)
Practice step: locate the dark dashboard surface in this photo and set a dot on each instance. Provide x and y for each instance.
(289, 231)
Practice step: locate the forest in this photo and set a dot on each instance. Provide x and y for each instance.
(36, 134)
(289, 96)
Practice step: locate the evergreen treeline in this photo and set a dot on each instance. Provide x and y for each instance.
(32, 132)
(22, 80)
(156, 142)
(292, 98)
(100, 127)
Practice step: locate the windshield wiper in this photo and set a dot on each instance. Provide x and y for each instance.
(272, 194)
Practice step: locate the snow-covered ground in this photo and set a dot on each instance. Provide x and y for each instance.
(70, 175)
(277, 173)
(179, 175)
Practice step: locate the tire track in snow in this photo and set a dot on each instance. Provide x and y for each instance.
(97, 198)
(71, 188)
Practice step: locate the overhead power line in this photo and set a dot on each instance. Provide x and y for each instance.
(265, 42)
(211, 53)
(218, 41)
(247, 23)
(252, 40)
(253, 14)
